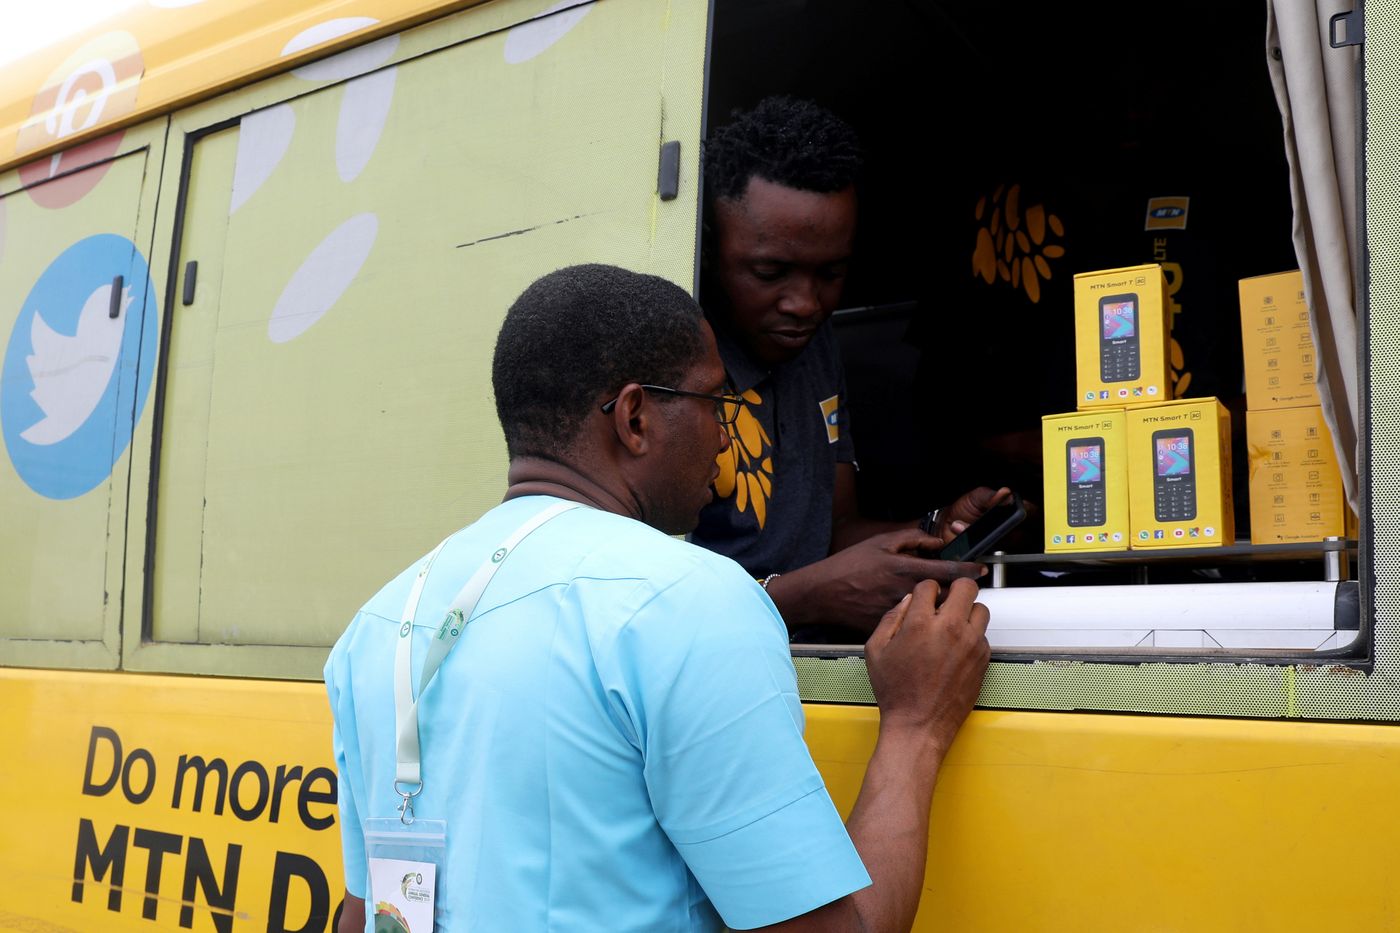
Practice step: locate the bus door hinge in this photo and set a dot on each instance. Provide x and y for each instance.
(1353, 31)
(191, 273)
(668, 177)
(114, 305)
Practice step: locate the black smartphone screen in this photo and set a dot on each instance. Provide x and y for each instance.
(981, 535)
(1118, 350)
(1085, 498)
(1174, 489)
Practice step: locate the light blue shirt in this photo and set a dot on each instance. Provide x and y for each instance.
(615, 742)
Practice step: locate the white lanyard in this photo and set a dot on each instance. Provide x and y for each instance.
(409, 773)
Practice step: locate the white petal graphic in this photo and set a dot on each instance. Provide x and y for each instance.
(527, 40)
(71, 373)
(325, 32)
(325, 275)
(263, 138)
(363, 110)
(347, 64)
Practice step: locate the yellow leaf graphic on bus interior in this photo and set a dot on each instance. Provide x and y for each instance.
(746, 468)
(1014, 246)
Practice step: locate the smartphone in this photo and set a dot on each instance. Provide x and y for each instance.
(1174, 486)
(979, 537)
(1085, 499)
(1118, 349)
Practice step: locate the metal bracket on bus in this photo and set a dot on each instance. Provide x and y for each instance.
(1336, 563)
(1354, 32)
(998, 572)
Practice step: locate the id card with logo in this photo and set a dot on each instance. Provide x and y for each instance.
(402, 892)
(403, 863)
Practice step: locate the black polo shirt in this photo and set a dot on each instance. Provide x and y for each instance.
(772, 506)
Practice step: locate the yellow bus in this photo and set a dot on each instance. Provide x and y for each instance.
(253, 257)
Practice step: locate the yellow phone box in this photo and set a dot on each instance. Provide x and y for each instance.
(1295, 484)
(1121, 336)
(1279, 359)
(1086, 481)
(1179, 491)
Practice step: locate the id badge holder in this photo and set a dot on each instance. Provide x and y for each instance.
(404, 862)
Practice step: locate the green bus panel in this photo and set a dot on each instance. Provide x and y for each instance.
(79, 309)
(350, 236)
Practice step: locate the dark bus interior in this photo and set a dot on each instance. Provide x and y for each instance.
(1077, 113)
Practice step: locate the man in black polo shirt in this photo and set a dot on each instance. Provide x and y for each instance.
(781, 184)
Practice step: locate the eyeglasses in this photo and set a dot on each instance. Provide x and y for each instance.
(726, 406)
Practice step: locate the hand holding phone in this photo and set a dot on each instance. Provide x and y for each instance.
(979, 537)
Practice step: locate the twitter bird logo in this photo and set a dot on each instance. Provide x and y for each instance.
(71, 373)
(75, 378)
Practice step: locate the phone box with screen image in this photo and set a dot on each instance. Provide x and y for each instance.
(1179, 491)
(1121, 336)
(1280, 363)
(1086, 481)
(1295, 485)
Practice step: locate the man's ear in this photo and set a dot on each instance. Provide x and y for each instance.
(632, 419)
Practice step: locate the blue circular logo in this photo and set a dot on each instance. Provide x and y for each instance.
(75, 378)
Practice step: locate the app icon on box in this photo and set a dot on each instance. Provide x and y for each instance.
(1117, 536)
(1178, 533)
(1103, 394)
(1069, 539)
(1151, 390)
(1057, 539)
(1210, 532)
(1159, 534)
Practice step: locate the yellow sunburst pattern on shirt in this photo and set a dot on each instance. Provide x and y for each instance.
(746, 468)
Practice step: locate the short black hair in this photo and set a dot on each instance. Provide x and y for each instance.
(785, 140)
(578, 334)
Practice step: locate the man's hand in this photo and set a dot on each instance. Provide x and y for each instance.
(926, 664)
(969, 507)
(857, 585)
(926, 667)
(352, 915)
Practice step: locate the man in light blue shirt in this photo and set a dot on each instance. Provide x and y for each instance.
(615, 740)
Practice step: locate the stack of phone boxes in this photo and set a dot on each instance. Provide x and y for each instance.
(1295, 482)
(1131, 468)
